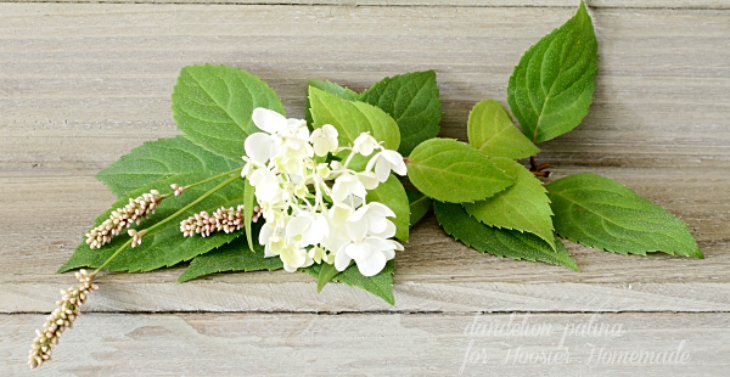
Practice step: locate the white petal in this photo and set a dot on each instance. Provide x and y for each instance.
(356, 230)
(388, 232)
(265, 233)
(382, 169)
(377, 243)
(297, 226)
(330, 131)
(290, 268)
(372, 265)
(377, 224)
(268, 120)
(396, 162)
(371, 163)
(381, 209)
(388, 254)
(397, 245)
(342, 260)
(358, 251)
(369, 180)
(258, 147)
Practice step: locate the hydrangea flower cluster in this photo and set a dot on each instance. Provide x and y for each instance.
(316, 211)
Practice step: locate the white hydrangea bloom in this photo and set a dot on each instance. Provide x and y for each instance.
(317, 212)
(386, 161)
(324, 140)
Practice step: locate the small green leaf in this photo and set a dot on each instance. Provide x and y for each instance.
(451, 171)
(493, 133)
(213, 104)
(500, 242)
(326, 273)
(165, 246)
(235, 256)
(552, 87)
(353, 118)
(600, 213)
(523, 206)
(331, 88)
(380, 285)
(248, 204)
(392, 194)
(154, 160)
(412, 99)
(419, 203)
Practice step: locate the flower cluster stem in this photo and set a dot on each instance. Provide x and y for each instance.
(174, 215)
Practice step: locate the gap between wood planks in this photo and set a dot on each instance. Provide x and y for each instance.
(376, 312)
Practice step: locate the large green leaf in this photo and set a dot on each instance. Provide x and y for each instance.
(500, 242)
(551, 88)
(419, 203)
(523, 206)
(380, 285)
(213, 104)
(352, 118)
(412, 99)
(493, 133)
(331, 88)
(165, 246)
(392, 194)
(451, 171)
(154, 160)
(235, 256)
(600, 213)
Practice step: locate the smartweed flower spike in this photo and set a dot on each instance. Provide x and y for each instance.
(317, 212)
(122, 218)
(61, 318)
(224, 219)
(178, 189)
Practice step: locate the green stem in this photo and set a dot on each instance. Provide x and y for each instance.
(168, 219)
(214, 178)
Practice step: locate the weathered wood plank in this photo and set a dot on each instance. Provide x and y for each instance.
(661, 345)
(81, 84)
(665, 4)
(434, 273)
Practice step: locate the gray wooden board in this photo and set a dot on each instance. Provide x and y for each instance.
(82, 84)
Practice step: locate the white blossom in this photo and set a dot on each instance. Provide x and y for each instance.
(364, 144)
(386, 161)
(314, 211)
(324, 140)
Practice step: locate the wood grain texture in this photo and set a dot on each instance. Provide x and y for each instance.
(664, 4)
(81, 85)
(379, 345)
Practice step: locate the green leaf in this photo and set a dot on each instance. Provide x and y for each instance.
(235, 256)
(380, 285)
(392, 194)
(552, 87)
(248, 204)
(500, 242)
(600, 213)
(419, 203)
(331, 88)
(493, 133)
(154, 160)
(326, 273)
(412, 99)
(352, 118)
(524, 206)
(213, 104)
(451, 171)
(166, 245)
